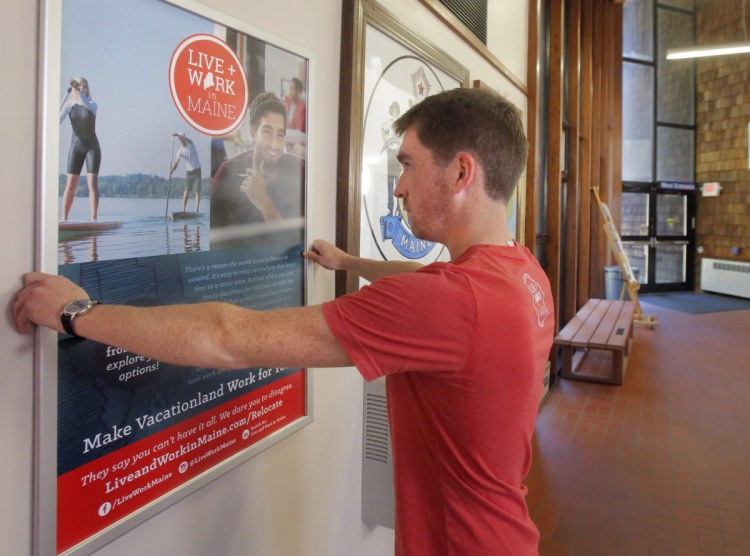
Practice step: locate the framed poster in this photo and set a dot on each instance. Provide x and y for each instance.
(385, 69)
(170, 171)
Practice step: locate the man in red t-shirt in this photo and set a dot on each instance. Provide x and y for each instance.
(463, 343)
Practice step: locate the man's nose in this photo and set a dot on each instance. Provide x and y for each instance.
(400, 190)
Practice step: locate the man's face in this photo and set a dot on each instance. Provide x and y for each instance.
(269, 137)
(423, 188)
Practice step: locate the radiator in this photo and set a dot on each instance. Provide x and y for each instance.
(728, 277)
(378, 497)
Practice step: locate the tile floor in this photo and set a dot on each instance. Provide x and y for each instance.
(661, 464)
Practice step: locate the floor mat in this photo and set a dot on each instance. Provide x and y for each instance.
(695, 303)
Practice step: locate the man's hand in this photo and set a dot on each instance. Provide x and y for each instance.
(331, 257)
(42, 299)
(256, 189)
(326, 255)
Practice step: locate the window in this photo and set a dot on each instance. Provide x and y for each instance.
(658, 95)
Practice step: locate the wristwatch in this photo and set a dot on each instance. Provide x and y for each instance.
(72, 310)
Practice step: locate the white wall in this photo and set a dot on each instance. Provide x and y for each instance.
(302, 496)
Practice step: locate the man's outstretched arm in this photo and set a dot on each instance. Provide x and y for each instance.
(331, 257)
(217, 335)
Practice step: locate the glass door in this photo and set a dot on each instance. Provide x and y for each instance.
(658, 233)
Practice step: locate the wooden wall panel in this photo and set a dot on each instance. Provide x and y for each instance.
(594, 59)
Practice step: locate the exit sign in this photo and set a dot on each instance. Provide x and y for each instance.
(711, 189)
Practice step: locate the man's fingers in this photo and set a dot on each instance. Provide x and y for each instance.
(19, 305)
(33, 277)
(42, 299)
(323, 253)
(22, 323)
(311, 255)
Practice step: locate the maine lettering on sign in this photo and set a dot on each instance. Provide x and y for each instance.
(395, 80)
(208, 84)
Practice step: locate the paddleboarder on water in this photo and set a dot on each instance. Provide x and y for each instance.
(188, 152)
(84, 145)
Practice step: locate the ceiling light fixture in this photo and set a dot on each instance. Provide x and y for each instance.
(712, 50)
(708, 50)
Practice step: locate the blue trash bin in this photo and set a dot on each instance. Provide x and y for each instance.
(613, 282)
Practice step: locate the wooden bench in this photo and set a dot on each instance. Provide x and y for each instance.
(600, 332)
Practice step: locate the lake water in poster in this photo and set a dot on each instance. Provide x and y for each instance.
(145, 230)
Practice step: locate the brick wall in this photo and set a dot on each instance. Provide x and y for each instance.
(722, 117)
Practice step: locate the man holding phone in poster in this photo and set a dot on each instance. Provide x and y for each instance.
(264, 184)
(463, 344)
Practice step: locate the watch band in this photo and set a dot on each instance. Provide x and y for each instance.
(67, 316)
(67, 323)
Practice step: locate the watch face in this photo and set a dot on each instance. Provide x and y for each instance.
(77, 306)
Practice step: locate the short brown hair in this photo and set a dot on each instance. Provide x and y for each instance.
(476, 121)
(263, 104)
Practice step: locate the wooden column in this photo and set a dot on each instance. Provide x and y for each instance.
(616, 112)
(570, 264)
(532, 107)
(554, 167)
(584, 213)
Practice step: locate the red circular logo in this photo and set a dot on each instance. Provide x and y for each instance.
(208, 84)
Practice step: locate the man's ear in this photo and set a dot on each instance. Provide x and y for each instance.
(465, 166)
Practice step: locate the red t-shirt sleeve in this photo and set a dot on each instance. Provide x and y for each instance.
(421, 321)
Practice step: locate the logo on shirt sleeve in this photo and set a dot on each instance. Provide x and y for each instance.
(537, 298)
